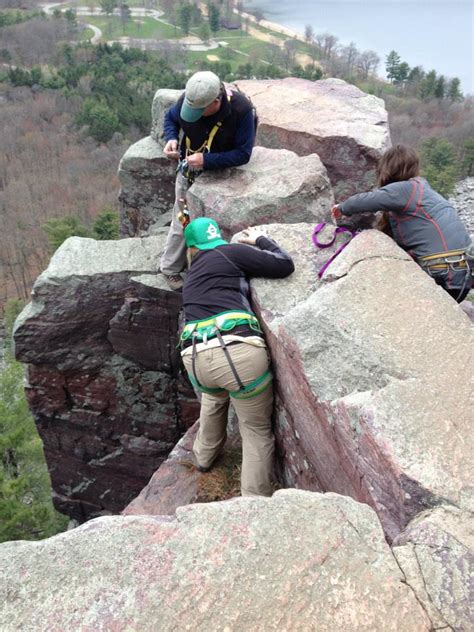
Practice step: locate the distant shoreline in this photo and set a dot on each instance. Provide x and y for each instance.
(271, 26)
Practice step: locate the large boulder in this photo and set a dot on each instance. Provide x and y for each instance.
(104, 378)
(347, 128)
(276, 186)
(373, 366)
(436, 555)
(297, 561)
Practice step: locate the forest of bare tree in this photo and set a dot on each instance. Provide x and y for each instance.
(47, 169)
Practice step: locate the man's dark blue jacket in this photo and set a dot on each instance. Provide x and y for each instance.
(233, 143)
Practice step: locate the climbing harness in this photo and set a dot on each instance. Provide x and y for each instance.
(454, 260)
(340, 229)
(203, 330)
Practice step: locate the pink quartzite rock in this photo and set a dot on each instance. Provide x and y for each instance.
(373, 367)
(347, 128)
(173, 485)
(275, 186)
(436, 554)
(297, 561)
(104, 376)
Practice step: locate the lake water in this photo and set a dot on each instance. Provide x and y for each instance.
(431, 33)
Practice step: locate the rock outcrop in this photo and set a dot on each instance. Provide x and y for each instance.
(275, 186)
(372, 369)
(363, 358)
(109, 404)
(147, 180)
(436, 555)
(297, 561)
(347, 128)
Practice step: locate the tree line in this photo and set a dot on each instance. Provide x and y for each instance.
(416, 82)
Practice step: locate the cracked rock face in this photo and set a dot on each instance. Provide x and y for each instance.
(363, 360)
(347, 128)
(436, 554)
(103, 379)
(297, 561)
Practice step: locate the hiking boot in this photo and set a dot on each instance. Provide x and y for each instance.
(175, 282)
(202, 469)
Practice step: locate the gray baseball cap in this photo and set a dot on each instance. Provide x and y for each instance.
(201, 90)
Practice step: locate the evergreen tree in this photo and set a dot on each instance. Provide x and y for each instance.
(392, 62)
(26, 510)
(468, 157)
(184, 17)
(439, 164)
(204, 32)
(102, 121)
(428, 85)
(59, 229)
(108, 6)
(440, 88)
(454, 92)
(106, 225)
(214, 17)
(402, 73)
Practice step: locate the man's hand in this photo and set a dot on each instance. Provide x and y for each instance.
(171, 149)
(251, 234)
(336, 212)
(196, 161)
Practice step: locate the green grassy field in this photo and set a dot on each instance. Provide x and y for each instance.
(86, 35)
(142, 28)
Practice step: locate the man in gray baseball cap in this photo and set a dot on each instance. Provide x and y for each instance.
(210, 127)
(201, 90)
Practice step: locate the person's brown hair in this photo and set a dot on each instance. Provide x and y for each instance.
(397, 164)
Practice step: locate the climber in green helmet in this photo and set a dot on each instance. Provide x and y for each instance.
(223, 347)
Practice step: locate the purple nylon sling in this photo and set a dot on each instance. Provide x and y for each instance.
(340, 229)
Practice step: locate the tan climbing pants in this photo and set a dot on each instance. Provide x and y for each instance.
(254, 414)
(173, 259)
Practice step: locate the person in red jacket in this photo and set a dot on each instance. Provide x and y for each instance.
(422, 222)
(223, 347)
